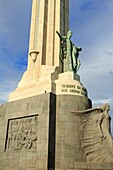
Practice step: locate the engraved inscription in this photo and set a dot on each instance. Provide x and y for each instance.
(22, 133)
(70, 88)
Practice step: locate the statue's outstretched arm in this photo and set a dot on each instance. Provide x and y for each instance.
(79, 48)
(59, 35)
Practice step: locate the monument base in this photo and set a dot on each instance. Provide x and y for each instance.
(26, 128)
(40, 132)
(93, 166)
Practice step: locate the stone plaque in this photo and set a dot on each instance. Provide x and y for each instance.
(22, 133)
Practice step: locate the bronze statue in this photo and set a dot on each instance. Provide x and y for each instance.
(69, 53)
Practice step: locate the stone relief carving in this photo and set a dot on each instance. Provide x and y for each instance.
(22, 133)
(96, 138)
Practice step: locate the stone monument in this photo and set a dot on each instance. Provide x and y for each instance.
(49, 122)
(44, 46)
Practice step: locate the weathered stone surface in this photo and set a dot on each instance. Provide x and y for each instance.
(27, 129)
(22, 133)
(56, 141)
(68, 144)
(93, 166)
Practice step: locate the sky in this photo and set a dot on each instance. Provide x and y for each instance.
(92, 24)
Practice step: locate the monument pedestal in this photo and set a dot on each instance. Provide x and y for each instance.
(35, 81)
(69, 83)
(40, 132)
(68, 127)
(93, 166)
(47, 79)
(26, 133)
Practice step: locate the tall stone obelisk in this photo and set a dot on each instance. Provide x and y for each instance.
(48, 16)
(46, 19)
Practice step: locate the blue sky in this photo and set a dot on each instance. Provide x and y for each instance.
(92, 24)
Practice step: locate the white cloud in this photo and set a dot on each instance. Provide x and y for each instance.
(101, 101)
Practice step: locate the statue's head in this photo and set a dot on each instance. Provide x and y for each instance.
(69, 34)
(105, 106)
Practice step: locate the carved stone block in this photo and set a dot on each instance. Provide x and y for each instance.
(22, 133)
